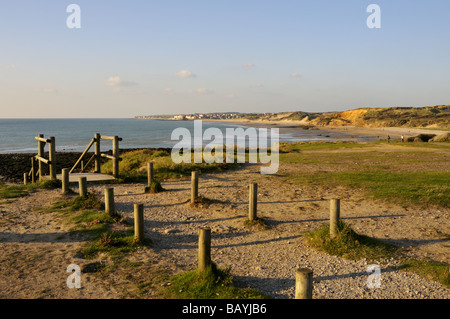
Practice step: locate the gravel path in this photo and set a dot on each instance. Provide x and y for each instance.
(265, 260)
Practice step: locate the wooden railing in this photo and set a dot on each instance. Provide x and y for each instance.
(39, 158)
(97, 154)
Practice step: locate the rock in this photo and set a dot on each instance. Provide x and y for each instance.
(170, 231)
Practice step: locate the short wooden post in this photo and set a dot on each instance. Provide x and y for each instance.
(204, 248)
(97, 153)
(82, 183)
(52, 157)
(115, 154)
(109, 201)
(194, 186)
(65, 180)
(25, 178)
(41, 146)
(149, 173)
(334, 216)
(252, 201)
(303, 283)
(138, 222)
(33, 170)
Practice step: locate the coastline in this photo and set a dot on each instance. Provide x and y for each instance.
(380, 132)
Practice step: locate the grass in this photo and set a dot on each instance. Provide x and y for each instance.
(155, 187)
(429, 269)
(405, 177)
(258, 222)
(14, 191)
(133, 167)
(350, 245)
(85, 215)
(213, 283)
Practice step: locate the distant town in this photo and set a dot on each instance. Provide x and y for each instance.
(195, 116)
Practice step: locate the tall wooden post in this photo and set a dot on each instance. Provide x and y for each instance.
(97, 153)
(52, 157)
(194, 186)
(65, 180)
(335, 212)
(204, 248)
(115, 152)
(82, 183)
(109, 201)
(149, 173)
(25, 178)
(303, 283)
(138, 222)
(33, 170)
(252, 201)
(41, 146)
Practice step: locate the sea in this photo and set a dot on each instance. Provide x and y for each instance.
(74, 135)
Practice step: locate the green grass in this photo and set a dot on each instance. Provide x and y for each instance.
(14, 191)
(155, 187)
(429, 269)
(320, 145)
(417, 188)
(258, 222)
(348, 244)
(213, 283)
(133, 166)
(86, 215)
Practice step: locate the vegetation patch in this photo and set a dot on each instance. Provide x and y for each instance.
(212, 283)
(350, 245)
(203, 202)
(258, 222)
(14, 191)
(429, 269)
(155, 187)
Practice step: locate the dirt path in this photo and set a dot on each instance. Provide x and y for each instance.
(35, 250)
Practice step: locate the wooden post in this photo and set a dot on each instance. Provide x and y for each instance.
(82, 183)
(334, 216)
(115, 154)
(97, 153)
(194, 186)
(41, 146)
(52, 157)
(65, 180)
(109, 201)
(252, 201)
(303, 283)
(204, 248)
(33, 170)
(25, 178)
(149, 173)
(138, 222)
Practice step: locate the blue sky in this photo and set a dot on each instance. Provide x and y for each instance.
(166, 57)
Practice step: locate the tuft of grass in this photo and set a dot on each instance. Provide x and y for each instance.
(212, 283)
(258, 223)
(429, 269)
(155, 187)
(111, 242)
(350, 245)
(202, 202)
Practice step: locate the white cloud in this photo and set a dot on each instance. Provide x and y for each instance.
(117, 83)
(231, 96)
(202, 91)
(168, 90)
(248, 65)
(185, 74)
(11, 67)
(295, 75)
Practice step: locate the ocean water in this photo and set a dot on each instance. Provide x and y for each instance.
(73, 135)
